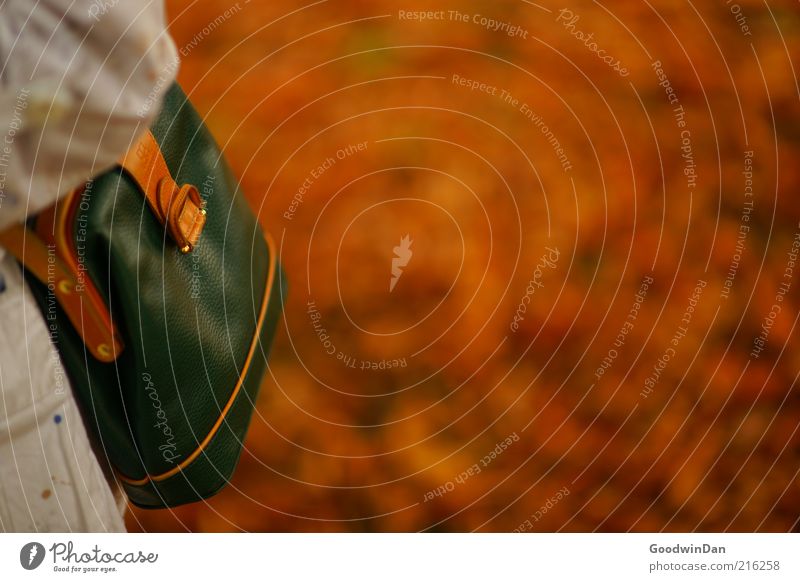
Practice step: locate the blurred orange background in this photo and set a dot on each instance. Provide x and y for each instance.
(464, 417)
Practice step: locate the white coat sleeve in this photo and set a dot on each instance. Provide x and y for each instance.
(79, 81)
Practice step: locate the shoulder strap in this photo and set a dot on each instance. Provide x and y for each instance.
(75, 293)
(180, 209)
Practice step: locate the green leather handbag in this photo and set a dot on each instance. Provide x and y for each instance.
(163, 295)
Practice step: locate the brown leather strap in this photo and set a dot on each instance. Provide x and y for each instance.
(181, 209)
(48, 252)
(74, 292)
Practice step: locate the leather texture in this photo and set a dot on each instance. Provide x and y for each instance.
(172, 410)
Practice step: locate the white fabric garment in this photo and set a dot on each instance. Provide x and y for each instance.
(79, 81)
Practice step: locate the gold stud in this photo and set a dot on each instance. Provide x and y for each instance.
(104, 350)
(186, 249)
(65, 286)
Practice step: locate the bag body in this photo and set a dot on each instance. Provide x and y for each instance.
(188, 292)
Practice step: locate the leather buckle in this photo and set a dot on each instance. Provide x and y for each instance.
(180, 209)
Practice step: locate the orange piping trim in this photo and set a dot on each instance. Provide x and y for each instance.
(229, 404)
(98, 310)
